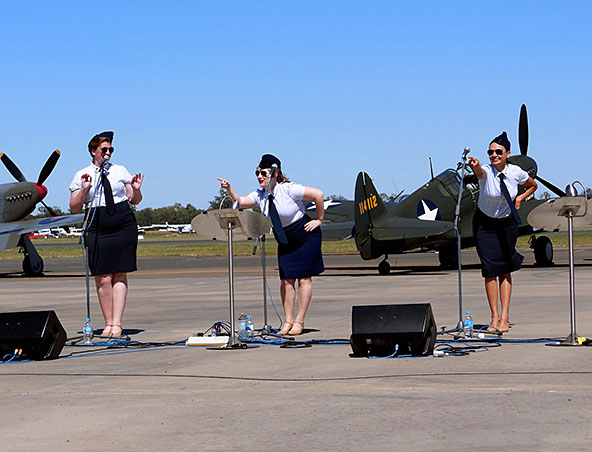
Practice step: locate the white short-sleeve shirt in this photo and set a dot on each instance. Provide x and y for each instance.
(118, 177)
(491, 201)
(288, 201)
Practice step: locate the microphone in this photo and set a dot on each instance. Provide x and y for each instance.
(274, 169)
(466, 151)
(105, 160)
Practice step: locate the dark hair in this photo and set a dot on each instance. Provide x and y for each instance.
(281, 178)
(96, 141)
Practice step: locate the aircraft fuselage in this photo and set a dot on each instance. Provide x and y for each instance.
(17, 200)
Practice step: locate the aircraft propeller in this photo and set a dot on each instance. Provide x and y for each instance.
(12, 168)
(523, 143)
(48, 167)
(43, 174)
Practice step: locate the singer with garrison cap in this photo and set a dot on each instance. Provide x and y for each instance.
(298, 236)
(106, 191)
(495, 225)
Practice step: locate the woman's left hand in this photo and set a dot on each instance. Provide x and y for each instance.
(137, 181)
(312, 224)
(517, 202)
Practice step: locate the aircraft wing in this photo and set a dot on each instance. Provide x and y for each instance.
(401, 228)
(550, 215)
(337, 231)
(11, 232)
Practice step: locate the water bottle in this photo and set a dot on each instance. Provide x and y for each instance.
(87, 332)
(468, 325)
(242, 326)
(250, 330)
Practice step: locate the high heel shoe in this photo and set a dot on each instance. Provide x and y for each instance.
(286, 327)
(106, 331)
(494, 325)
(504, 325)
(296, 329)
(116, 331)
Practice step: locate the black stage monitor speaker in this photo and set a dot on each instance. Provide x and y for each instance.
(39, 333)
(377, 330)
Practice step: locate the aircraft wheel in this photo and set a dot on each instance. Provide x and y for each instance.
(384, 268)
(31, 269)
(543, 251)
(448, 257)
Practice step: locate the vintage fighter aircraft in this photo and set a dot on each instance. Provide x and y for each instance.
(19, 199)
(338, 223)
(425, 219)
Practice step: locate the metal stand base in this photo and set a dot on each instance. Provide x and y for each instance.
(569, 341)
(459, 329)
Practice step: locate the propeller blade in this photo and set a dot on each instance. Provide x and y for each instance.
(54, 214)
(12, 168)
(49, 209)
(523, 131)
(550, 186)
(48, 167)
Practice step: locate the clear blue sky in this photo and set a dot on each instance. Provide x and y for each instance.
(196, 90)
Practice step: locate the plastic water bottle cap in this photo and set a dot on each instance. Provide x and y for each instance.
(468, 312)
(87, 319)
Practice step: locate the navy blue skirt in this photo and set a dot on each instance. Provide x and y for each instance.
(112, 240)
(496, 244)
(301, 257)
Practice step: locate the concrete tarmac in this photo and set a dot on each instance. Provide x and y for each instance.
(517, 394)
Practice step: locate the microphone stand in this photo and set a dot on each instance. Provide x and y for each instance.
(84, 233)
(459, 327)
(266, 327)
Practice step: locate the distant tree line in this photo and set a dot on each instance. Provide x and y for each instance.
(175, 214)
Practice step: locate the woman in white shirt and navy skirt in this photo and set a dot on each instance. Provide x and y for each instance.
(299, 237)
(106, 191)
(495, 225)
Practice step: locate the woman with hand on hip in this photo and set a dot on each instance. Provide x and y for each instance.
(106, 190)
(298, 236)
(495, 225)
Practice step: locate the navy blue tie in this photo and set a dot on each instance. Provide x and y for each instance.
(506, 194)
(276, 222)
(108, 193)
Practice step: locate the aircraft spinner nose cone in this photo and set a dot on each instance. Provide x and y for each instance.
(42, 191)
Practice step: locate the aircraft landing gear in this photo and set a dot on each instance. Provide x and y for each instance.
(32, 269)
(384, 268)
(543, 250)
(32, 262)
(448, 257)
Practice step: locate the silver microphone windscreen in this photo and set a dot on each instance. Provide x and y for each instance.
(105, 160)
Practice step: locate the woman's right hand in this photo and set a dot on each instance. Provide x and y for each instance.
(224, 184)
(85, 180)
(473, 162)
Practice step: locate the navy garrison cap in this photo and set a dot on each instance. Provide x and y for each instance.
(502, 140)
(267, 160)
(108, 134)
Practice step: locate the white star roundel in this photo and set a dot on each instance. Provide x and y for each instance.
(427, 210)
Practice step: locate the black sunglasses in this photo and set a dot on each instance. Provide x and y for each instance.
(497, 151)
(263, 172)
(105, 150)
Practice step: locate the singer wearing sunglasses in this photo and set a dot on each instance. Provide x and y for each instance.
(495, 225)
(298, 236)
(106, 191)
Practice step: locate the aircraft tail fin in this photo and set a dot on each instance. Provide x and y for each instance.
(368, 207)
